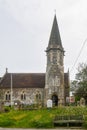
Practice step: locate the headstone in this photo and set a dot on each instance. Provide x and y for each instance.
(49, 103)
(82, 102)
(67, 99)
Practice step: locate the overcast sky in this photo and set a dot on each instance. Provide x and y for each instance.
(25, 27)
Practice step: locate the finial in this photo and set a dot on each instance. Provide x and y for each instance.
(55, 11)
(68, 69)
(6, 70)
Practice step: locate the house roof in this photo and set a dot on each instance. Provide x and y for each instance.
(23, 80)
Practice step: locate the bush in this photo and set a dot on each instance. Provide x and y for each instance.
(6, 123)
(40, 124)
(7, 109)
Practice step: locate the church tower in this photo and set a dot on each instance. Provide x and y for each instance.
(54, 82)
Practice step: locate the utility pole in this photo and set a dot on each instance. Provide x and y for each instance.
(11, 89)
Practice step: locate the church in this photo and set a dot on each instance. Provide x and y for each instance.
(37, 88)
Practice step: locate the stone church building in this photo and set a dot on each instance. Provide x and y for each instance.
(34, 88)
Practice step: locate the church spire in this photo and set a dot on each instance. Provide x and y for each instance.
(54, 85)
(55, 35)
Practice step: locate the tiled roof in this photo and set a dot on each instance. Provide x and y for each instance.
(23, 80)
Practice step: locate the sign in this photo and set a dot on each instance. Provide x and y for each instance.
(72, 99)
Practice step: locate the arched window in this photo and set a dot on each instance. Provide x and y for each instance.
(38, 96)
(7, 96)
(23, 96)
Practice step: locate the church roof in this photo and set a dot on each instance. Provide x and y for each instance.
(27, 80)
(55, 34)
(23, 80)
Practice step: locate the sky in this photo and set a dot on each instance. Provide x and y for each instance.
(25, 27)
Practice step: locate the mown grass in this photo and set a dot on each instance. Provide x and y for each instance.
(41, 118)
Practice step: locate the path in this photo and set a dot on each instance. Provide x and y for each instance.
(40, 129)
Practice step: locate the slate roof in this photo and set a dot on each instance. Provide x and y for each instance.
(55, 35)
(23, 80)
(27, 80)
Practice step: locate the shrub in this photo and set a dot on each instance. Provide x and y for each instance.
(7, 123)
(7, 109)
(40, 124)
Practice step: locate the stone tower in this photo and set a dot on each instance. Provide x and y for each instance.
(54, 82)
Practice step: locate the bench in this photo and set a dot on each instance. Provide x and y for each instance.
(68, 120)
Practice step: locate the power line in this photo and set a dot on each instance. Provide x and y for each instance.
(78, 55)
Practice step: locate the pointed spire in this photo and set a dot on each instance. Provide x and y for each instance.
(55, 35)
(6, 70)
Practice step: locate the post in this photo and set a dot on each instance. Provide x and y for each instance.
(11, 89)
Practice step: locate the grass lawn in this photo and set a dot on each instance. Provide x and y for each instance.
(41, 118)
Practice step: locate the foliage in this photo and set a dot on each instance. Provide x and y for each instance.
(6, 109)
(6, 121)
(40, 124)
(80, 84)
(41, 118)
(82, 72)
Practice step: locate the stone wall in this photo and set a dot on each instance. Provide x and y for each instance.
(32, 95)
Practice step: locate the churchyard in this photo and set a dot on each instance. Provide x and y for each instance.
(39, 118)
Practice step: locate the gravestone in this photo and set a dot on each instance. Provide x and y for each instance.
(49, 103)
(82, 102)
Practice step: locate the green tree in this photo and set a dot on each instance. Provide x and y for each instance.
(81, 82)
